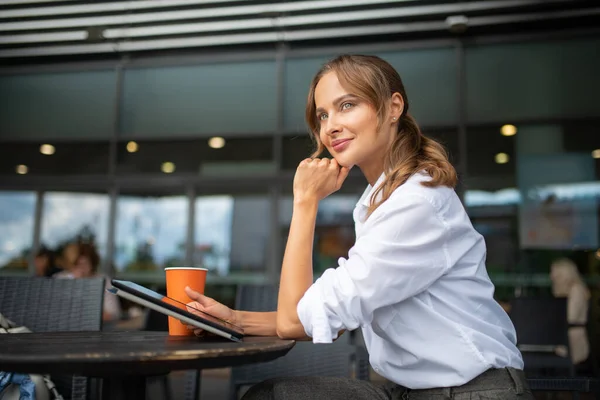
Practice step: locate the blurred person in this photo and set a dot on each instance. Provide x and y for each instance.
(86, 266)
(44, 262)
(415, 280)
(567, 282)
(66, 258)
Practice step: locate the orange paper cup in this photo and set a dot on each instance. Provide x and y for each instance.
(177, 279)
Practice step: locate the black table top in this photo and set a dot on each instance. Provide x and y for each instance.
(130, 352)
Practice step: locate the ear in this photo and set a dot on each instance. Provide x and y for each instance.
(396, 105)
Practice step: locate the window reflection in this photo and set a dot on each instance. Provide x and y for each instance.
(232, 233)
(54, 157)
(540, 205)
(17, 211)
(70, 217)
(212, 233)
(334, 232)
(150, 233)
(195, 156)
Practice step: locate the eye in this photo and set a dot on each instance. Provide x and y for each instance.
(322, 117)
(347, 105)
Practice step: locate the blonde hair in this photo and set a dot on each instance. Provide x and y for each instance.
(374, 80)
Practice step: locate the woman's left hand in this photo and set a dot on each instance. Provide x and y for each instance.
(317, 178)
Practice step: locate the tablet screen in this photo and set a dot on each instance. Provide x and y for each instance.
(134, 287)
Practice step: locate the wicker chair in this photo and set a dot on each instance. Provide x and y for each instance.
(55, 305)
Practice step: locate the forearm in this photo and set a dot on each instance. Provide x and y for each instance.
(297, 269)
(257, 323)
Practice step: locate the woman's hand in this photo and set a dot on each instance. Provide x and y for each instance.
(210, 306)
(317, 178)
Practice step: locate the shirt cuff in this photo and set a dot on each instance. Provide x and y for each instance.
(313, 318)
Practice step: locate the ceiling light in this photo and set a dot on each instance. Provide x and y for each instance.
(216, 142)
(501, 158)
(168, 167)
(596, 153)
(132, 147)
(508, 130)
(21, 169)
(47, 149)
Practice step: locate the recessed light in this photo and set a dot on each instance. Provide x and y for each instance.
(596, 153)
(508, 130)
(168, 167)
(21, 169)
(132, 147)
(47, 149)
(501, 158)
(216, 142)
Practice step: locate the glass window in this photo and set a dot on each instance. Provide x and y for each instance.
(17, 213)
(430, 80)
(69, 217)
(533, 80)
(54, 158)
(150, 233)
(66, 105)
(228, 156)
(295, 149)
(232, 233)
(334, 231)
(204, 99)
(534, 194)
(212, 233)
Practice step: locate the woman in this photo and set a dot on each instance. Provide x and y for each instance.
(85, 265)
(566, 282)
(45, 265)
(415, 281)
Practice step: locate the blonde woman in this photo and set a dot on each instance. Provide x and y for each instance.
(414, 282)
(566, 282)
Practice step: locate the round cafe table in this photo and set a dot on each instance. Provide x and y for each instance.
(123, 360)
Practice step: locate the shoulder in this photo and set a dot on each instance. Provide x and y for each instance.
(415, 191)
(412, 202)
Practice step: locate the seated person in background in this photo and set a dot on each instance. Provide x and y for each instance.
(86, 266)
(65, 259)
(44, 263)
(566, 282)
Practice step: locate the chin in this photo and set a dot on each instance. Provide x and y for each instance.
(344, 161)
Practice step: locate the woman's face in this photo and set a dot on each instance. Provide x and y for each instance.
(82, 268)
(348, 127)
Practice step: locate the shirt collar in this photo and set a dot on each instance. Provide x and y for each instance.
(365, 199)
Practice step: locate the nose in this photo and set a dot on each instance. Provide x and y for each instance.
(332, 127)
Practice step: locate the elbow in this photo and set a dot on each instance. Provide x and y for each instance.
(290, 330)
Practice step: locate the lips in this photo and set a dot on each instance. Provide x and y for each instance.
(340, 144)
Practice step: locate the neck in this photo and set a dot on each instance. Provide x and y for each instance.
(372, 172)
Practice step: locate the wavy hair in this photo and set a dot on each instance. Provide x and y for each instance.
(374, 80)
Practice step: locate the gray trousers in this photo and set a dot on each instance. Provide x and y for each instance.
(494, 384)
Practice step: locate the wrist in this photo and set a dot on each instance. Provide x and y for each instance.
(236, 318)
(305, 201)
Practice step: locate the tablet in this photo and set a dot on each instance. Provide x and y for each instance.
(168, 306)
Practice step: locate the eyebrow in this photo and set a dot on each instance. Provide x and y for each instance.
(338, 101)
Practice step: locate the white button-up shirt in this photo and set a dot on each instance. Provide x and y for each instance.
(416, 283)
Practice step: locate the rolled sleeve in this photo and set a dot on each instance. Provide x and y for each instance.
(401, 251)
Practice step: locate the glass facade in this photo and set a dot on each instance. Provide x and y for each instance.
(17, 215)
(193, 164)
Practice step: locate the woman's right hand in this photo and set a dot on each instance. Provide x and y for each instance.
(209, 306)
